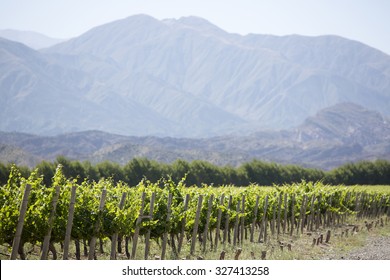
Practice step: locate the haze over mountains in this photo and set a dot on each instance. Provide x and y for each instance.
(188, 78)
(32, 39)
(336, 135)
(184, 78)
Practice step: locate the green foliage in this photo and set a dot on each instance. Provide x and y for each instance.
(307, 197)
(202, 172)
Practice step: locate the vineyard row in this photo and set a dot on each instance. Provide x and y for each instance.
(169, 213)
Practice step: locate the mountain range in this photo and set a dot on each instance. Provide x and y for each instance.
(141, 76)
(184, 88)
(336, 135)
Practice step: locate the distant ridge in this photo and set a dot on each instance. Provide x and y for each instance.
(336, 135)
(32, 39)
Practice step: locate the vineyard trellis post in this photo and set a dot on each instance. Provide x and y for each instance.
(227, 219)
(46, 239)
(311, 216)
(217, 230)
(196, 224)
(318, 211)
(165, 235)
(264, 221)
(206, 228)
(236, 223)
(137, 227)
(114, 238)
(292, 214)
(242, 222)
(183, 223)
(69, 224)
(92, 243)
(147, 237)
(254, 218)
(303, 213)
(285, 212)
(279, 213)
(19, 227)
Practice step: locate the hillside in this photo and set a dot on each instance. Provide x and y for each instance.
(184, 78)
(336, 135)
(29, 38)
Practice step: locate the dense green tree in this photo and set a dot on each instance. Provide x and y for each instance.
(47, 170)
(198, 172)
(90, 171)
(112, 170)
(4, 174)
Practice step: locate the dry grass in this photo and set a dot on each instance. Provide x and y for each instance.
(283, 247)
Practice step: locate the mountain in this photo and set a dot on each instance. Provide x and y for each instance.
(184, 78)
(29, 38)
(335, 135)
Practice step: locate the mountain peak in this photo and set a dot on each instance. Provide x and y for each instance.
(193, 22)
(184, 77)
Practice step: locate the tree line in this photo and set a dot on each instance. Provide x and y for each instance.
(202, 172)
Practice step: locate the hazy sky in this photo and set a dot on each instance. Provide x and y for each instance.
(367, 21)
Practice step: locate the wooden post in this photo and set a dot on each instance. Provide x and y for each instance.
(235, 234)
(292, 214)
(361, 213)
(279, 212)
(311, 216)
(227, 219)
(273, 222)
(114, 238)
(300, 218)
(206, 228)
(217, 230)
(306, 199)
(19, 227)
(46, 239)
(92, 243)
(165, 235)
(196, 224)
(237, 254)
(264, 220)
(357, 204)
(69, 225)
(327, 236)
(137, 227)
(242, 222)
(285, 213)
(183, 223)
(254, 219)
(147, 237)
(330, 216)
(318, 212)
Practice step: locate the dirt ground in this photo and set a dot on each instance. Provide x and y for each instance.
(376, 248)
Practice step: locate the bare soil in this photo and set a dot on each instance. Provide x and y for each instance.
(376, 248)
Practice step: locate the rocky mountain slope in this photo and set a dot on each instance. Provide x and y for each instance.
(184, 78)
(336, 135)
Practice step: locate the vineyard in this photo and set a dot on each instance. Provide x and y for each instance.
(169, 220)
